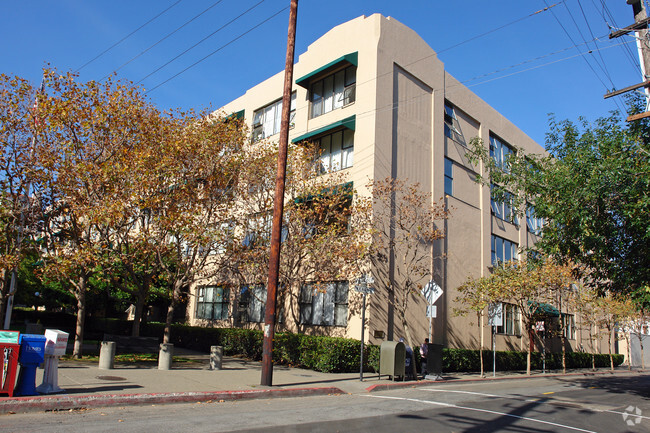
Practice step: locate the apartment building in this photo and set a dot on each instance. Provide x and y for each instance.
(380, 103)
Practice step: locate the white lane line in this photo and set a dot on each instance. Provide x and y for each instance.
(476, 393)
(435, 403)
(628, 413)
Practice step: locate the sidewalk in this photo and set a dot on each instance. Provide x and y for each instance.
(85, 385)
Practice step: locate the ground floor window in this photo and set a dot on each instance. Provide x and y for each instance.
(212, 303)
(511, 320)
(324, 304)
(253, 298)
(569, 326)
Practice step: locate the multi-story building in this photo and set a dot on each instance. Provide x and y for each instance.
(380, 103)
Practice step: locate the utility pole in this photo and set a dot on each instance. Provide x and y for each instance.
(640, 27)
(278, 206)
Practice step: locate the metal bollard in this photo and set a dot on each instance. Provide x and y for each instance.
(165, 356)
(107, 355)
(216, 357)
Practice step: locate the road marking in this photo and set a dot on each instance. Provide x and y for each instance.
(475, 393)
(435, 403)
(547, 393)
(623, 413)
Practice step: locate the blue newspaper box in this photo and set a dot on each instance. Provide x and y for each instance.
(32, 353)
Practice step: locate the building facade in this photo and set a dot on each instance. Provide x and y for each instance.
(380, 103)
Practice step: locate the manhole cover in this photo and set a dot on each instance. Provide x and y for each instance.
(115, 378)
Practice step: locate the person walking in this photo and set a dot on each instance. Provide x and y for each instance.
(424, 351)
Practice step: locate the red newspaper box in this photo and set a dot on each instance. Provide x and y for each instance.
(9, 348)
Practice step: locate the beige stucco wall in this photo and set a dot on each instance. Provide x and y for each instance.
(401, 89)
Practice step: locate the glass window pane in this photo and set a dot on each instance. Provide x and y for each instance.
(325, 153)
(499, 248)
(339, 79)
(337, 141)
(317, 91)
(317, 309)
(350, 75)
(328, 93)
(342, 292)
(278, 118)
(341, 315)
(269, 119)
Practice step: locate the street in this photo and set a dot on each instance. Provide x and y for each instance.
(580, 403)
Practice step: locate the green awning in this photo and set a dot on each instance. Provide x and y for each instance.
(350, 59)
(542, 309)
(348, 122)
(237, 115)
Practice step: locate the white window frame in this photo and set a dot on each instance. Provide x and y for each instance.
(503, 250)
(267, 119)
(336, 151)
(452, 127)
(208, 299)
(500, 151)
(324, 304)
(333, 91)
(511, 320)
(504, 209)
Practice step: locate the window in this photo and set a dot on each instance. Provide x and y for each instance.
(336, 151)
(534, 222)
(569, 326)
(253, 299)
(503, 209)
(500, 152)
(324, 304)
(212, 303)
(334, 91)
(258, 230)
(511, 320)
(449, 177)
(503, 250)
(266, 120)
(452, 127)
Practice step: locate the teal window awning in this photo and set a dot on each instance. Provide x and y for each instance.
(348, 59)
(237, 115)
(348, 122)
(542, 309)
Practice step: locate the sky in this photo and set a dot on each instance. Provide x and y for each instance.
(527, 59)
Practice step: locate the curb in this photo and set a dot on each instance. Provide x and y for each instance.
(55, 403)
(413, 384)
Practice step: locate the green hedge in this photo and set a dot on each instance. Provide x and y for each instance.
(336, 355)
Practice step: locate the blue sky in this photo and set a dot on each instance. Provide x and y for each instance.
(527, 64)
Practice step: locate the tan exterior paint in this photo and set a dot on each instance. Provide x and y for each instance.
(401, 89)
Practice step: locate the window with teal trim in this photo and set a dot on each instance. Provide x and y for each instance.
(333, 91)
(336, 151)
(266, 120)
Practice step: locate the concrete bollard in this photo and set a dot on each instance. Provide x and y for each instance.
(216, 357)
(165, 356)
(107, 355)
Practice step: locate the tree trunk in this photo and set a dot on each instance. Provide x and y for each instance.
(80, 295)
(629, 351)
(409, 340)
(563, 354)
(609, 345)
(640, 336)
(176, 293)
(480, 341)
(141, 296)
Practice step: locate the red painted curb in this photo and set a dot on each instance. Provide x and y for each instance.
(67, 402)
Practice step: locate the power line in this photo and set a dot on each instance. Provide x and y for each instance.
(202, 40)
(500, 27)
(165, 37)
(219, 49)
(125, 38)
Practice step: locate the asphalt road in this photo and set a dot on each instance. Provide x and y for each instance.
(559, 404)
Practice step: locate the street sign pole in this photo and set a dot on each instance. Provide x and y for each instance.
(363, 326)
(363, 286)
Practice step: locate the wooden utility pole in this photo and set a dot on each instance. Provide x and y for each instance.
(640, 26)
(278, 206)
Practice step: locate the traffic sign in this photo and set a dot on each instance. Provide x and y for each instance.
(431, 292)
(432, 311)
(495, 314)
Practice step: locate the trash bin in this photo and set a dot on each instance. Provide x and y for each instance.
(32, 353)
(9, 350)
(392, 359)
(434, 361)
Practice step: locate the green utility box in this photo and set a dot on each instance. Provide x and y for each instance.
(392, 357)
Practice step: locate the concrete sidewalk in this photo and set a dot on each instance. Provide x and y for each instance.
(85, 385)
